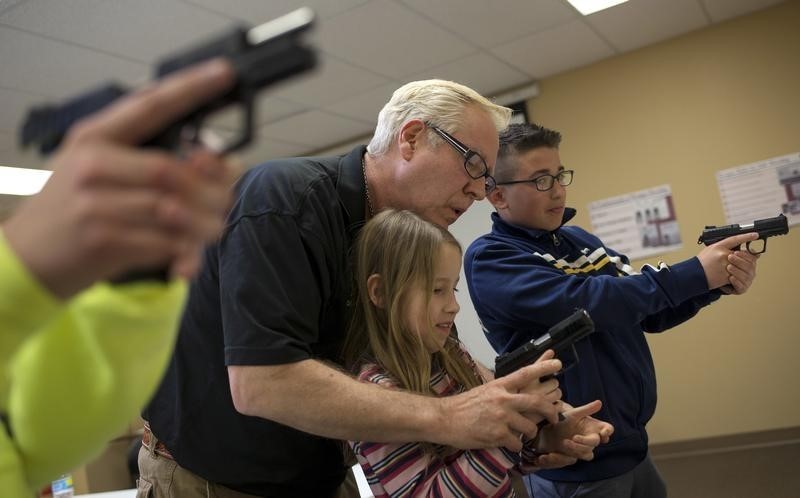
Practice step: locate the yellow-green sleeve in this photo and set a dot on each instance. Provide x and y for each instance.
(79, 380)
(25, 306)
(12, 478)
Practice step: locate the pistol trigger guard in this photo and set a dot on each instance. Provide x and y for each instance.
(248, 98)
(569, 358)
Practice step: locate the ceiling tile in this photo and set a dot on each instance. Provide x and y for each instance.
(316, 129)
(7, 5)
(639, 23)
(14, 105)
(490, 22)
(54, 69)
(345, 147)
(8, 144)
(144, 30)
(11, 155)
(332, 81)
(482, 72)
(264, 149)
(258, 11)
(555, 50)
(390, 39)
(721, 10)
(366, 105)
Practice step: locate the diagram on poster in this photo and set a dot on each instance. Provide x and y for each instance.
(761, 190)
(639, 224)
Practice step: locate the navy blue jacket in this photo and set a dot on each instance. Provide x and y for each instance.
(523, 281)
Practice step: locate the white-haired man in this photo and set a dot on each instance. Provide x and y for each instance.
(250, 399)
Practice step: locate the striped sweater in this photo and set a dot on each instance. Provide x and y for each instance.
(405, 470)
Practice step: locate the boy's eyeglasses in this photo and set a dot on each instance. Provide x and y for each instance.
(473, 162)
(545, 182)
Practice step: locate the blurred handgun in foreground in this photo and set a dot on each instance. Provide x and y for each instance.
(261, 56)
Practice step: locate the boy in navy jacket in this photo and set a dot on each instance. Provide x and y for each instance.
(532, 270)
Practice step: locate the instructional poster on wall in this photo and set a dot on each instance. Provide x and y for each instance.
(639, 224)
(761, 190)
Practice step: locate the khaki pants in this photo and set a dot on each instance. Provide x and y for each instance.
(163, 478)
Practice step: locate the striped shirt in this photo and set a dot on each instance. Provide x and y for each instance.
(405, 470)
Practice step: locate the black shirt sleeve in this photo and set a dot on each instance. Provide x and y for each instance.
(268, 292)
(282, 266)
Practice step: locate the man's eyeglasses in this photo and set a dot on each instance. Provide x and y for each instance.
(545, 182)
(473, 162)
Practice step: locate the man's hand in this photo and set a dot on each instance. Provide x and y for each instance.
(499, 413)
(111, 207)
(574, 438)
(547, 390)
(723, 268)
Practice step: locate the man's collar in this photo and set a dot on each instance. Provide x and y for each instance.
(350, 188)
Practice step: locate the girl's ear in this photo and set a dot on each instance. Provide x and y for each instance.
(374, 290)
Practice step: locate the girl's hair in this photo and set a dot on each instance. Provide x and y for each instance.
(402, 248)
(439, 102)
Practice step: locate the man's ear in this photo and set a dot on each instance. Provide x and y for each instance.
(374, 290)
(409, 137)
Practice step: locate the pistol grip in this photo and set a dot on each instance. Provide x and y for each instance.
(545, 422)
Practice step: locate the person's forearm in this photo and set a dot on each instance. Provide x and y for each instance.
(313, 397)
(545, 287)
(318, 399)
(97, 363)
(26, 306)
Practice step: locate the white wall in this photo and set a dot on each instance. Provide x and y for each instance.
(472, 224)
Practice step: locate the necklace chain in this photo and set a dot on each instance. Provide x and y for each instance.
(366, 186)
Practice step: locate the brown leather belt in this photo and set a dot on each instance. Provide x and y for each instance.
(147, 441)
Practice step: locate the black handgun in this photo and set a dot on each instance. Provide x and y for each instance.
(765, 228)
(261, 56)
(561, 338)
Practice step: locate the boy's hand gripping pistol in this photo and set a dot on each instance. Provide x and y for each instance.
(765, 228)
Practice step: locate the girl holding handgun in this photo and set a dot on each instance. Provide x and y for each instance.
(401, 338)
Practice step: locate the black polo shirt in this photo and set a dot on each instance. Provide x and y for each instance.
(272, 291)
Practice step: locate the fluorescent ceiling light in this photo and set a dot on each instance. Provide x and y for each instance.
(587, 7)
(22, 181)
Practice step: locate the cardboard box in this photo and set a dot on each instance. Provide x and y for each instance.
(109, 471)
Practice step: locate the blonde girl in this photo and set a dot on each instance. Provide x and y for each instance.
(401, 337)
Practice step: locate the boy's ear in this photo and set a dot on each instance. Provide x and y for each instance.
(498, 198)
(409, 137)
(374, 290)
